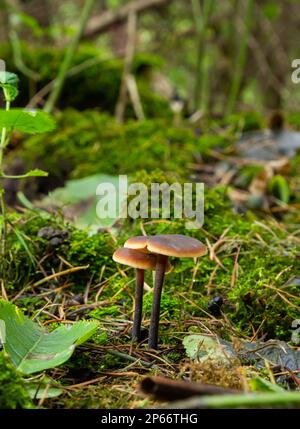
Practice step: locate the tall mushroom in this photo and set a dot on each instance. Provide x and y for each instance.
(164, 246)
(141, 262)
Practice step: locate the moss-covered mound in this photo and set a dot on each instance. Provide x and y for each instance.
(251, 265)
(87, 143)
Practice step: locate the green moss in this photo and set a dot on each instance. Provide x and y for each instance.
(292, 118)
(13, 393)
(245, 121)
(251, 266)
(77, 247)
(90, 143)
(96, 396)
(170, 306)
(99, 313)
(101, 339)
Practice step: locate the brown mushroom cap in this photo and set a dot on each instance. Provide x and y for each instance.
(176, 245)
(139, 242)
(134, 258)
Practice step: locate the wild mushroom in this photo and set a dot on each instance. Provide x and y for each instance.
(141, 262)
(164, 246)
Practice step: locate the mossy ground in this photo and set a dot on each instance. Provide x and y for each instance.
(13, 393)
(251, 261)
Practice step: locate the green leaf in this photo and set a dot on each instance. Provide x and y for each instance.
(259, 384)
(36, 173)
(38, 392)
(23, 243)
(27, 121)
(33, 349)
(10, 92)
(203, 347)
(27, 20)
(280, 188)
(45, 388)
(8, 78)
(25, 201)
(78, 201)
(9, 84)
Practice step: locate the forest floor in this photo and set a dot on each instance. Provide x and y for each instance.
(60, 273)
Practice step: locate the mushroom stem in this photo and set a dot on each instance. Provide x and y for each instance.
(137, 320)
(160, 269)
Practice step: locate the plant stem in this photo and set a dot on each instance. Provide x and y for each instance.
(160, 270)
(2, 201)
(240, 59)
(65, 65)
(136, 330)
(201, 21)
(3, 139)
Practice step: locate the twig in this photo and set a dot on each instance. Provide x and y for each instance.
(65, 65)
(61, 273)
(100, 24)
(129, 53)
(135, 96)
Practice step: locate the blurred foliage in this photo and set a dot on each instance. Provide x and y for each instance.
(96, 82)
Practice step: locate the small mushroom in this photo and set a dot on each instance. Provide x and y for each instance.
(138, 243)
(164, 246)
(141, 262)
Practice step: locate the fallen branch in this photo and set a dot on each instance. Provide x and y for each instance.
(165, 389)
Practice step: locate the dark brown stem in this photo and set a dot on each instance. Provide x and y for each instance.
(137, 320)
(160, 269)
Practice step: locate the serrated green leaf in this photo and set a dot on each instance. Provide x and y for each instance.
(33, 349)
(27, 121)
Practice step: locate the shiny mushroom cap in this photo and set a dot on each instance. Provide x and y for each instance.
(139, 243)
(134, 258)
(168, 244)
(176, 245)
